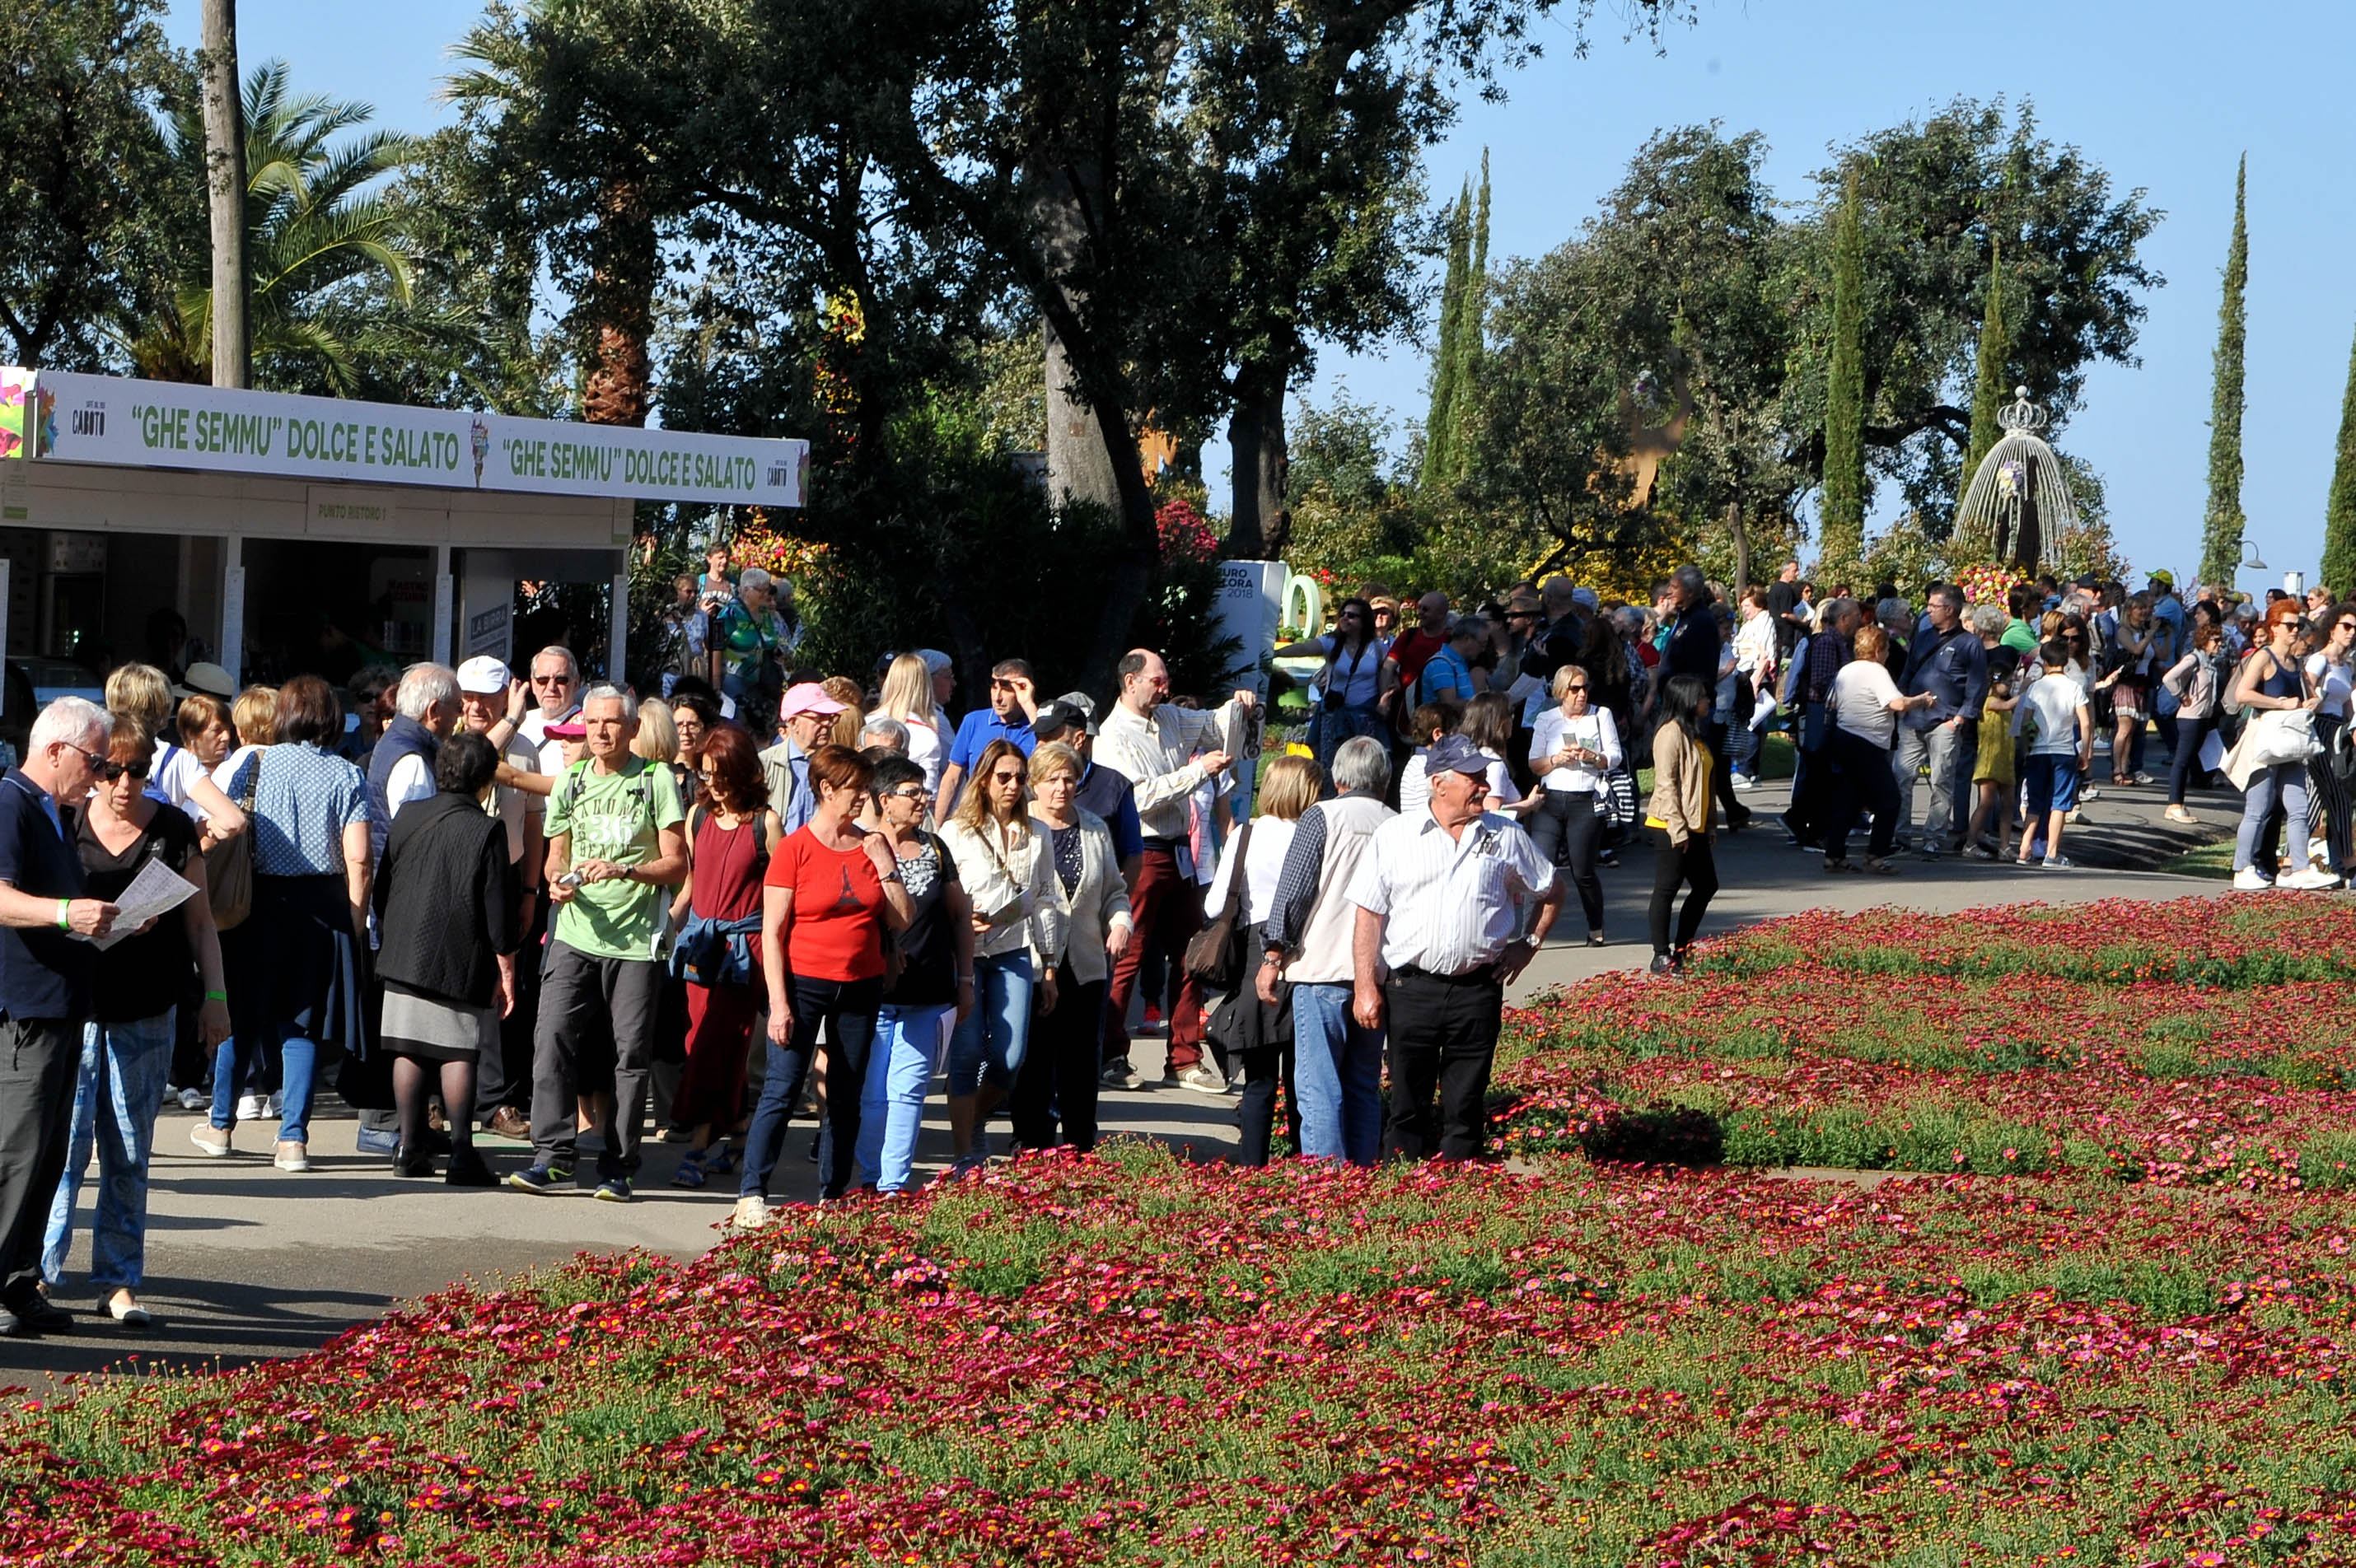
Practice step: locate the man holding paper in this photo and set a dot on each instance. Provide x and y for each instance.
(45, 990)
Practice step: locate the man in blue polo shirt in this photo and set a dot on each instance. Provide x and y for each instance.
(1013, 708)
(45, 979)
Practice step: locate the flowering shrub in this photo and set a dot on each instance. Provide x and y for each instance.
(1186, 538)
(1987, 583)
(1126, 1360)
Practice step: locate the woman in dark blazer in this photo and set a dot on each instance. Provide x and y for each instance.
(447, 902)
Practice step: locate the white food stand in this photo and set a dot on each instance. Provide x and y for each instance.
(276, 525)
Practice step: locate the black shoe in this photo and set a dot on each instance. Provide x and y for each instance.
(468, 1168)
(40, 1317)
(410, 1162)
(436, 1141)
(1663, 964)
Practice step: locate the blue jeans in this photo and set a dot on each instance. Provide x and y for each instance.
(1338, 1071)
(117, 1091)
(988, 1046)
(892, 1103)
(298, 1061)
(848, 1009)
(1335, 724)
(2284, 784)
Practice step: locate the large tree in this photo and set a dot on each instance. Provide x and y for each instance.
(96, 222)
(2340, 506)
(1841, 538)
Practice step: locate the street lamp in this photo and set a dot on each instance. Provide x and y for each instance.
(2254, 563)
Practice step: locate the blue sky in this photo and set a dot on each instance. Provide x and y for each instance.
(2164, 95)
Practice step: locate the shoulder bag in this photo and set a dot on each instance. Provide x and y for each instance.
(1216, 955)
(228, 865)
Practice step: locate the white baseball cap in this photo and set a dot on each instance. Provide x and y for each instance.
(483, 676)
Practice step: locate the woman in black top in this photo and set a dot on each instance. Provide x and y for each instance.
(447, 904)
(928, 979)
(127, 1049)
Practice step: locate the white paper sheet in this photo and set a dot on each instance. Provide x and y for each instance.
(157, 890)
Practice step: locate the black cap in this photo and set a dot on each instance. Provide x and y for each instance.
(1061, 718)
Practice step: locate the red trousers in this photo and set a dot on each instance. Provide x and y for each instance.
(719, 1035)
(1168, 909)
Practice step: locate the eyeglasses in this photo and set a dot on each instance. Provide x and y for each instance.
(109, 772)
(1574, 686)
(1006, 778)
(551, 679)
(913, 792)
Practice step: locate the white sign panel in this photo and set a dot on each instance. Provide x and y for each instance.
(1251, 596)
(160, 424)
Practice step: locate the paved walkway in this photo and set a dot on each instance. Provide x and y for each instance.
(245, 1260)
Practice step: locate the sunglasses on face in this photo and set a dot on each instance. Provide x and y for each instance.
(549, 680)
(913, 792)
(1006, 778)
(109, 772)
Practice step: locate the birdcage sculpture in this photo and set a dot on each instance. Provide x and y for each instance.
(2017, 504)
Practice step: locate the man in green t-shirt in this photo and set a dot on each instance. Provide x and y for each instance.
(615, 849)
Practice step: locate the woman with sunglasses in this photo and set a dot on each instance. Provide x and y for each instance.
(127, 1049)
(1573, 748)
(1357, 683)
(2332, 674)
(1017, 923)
(731, 832)
(2273, 678)
(927, 980)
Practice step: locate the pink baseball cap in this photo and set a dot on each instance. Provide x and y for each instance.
(810, 696)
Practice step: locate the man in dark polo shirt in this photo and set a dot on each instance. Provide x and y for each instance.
(45, 977)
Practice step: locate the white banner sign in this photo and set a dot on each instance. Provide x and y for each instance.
(161, 424)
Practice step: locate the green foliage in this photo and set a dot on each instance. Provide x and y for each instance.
(330, 263)
(2339, 509)
(1441, 459)
(97, 219)
(2222, 525)
(1842, 538)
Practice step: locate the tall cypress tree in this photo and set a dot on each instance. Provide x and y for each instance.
(2221, 544)
(1842, 540)
(1988, 389)
(2340, 511)
(1440, 423)
(1471, 343)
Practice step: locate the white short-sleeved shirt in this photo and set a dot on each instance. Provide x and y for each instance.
(172, 773)
(2050, 709)
(1271, 839)
(1593, 730)
(2334, 681)
(412, 779)
(1861, 696)
(1357, 678)
(1450, 905)
(1415, 785)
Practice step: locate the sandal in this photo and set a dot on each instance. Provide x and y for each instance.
(691, 1173)
(1879, 867)
(1836, 867)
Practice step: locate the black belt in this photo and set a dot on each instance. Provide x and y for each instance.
(1479, 973)
(1172, 845)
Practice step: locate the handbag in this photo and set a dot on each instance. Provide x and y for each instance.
(1215, 955)
(228, 865)
(1620, 798)
(2271, 737)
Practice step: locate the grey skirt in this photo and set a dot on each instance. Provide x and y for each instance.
(438, 1030)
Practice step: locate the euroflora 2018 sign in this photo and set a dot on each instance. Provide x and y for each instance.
(157, 424)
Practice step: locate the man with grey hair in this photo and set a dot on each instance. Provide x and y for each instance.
(556, 696)
(401, 769)
(1942, 736)
(615, 845)
(45, 991)
(1337, 1060)
(749, 645)
(882, 730)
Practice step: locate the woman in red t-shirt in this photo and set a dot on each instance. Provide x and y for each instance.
(831, 892)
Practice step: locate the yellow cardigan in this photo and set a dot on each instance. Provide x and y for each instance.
(1680, 786)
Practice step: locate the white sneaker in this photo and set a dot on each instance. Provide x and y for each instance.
(2313, 880)
(212, 1140)
(2250, 880)
(752, 1212)
(2319, 849)
(1202, 1077)
(292, 1156)
(1744, 781)
(2058, 863)
(273, 1107)
(250, 1108)
(195, 1100)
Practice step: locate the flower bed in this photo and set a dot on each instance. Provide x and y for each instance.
(1128, 1361)
(2159, 1042)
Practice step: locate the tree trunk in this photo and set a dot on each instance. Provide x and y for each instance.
(1741, 532)
(1079, 458)
(1261, 525)
(618, 307)
(232, 345)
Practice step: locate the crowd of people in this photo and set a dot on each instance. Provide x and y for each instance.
(566, 913)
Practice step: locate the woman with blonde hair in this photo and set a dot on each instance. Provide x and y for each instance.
(1009, 875)
(908, 697)
(1255, 1033)
(847, 723)
(1060, 1072)
(140, 691)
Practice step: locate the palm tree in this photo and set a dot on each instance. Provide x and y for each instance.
(332, 269)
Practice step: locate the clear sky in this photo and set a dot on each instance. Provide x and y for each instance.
(2165, 94)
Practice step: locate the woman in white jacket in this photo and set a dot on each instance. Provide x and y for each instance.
(1059, 1076)
(1009, 874)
